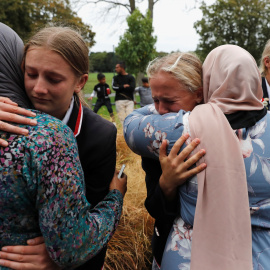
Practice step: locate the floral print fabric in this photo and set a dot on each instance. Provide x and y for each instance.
(42, 193)
(144, 130)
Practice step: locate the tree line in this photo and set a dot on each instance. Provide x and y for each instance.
(27, 16)
(241, 22)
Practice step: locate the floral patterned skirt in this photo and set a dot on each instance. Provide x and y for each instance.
(177, 251)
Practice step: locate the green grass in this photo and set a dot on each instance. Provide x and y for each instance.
(88, 89)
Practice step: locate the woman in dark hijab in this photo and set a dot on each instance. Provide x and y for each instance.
(41, 180)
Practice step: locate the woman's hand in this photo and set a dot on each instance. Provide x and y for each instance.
(175, 167)
(9, 112)
(31, 257)
(119, 183)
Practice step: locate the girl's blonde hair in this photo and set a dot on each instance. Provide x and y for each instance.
(185, 67)
(68, 43)
(266, 53)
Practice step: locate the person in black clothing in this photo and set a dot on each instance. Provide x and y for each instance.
(102, 90)
(124, 85)
(265, 71)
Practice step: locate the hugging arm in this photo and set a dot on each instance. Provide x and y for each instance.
(11, 112)
(146, 133)
(35, 256)
(72, 231)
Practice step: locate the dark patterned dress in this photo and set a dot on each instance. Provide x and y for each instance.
(42, 193)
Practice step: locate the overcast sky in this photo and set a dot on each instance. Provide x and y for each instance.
(173, 25)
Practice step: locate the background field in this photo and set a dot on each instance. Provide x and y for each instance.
(88, 89)
(130, 247)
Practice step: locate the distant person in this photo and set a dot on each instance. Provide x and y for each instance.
(265, 71)
(124, 85)
(102, 90)
(145, 93)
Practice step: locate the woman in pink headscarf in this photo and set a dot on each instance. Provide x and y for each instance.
(224, 210)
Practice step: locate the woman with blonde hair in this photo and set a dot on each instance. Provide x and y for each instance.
(176, 82)
(223, 212)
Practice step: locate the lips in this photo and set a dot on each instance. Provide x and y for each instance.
(40, 100)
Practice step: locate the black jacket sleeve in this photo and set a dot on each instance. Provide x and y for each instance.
(156, 203)
(97, 149)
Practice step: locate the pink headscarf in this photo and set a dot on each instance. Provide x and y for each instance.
(222, 227)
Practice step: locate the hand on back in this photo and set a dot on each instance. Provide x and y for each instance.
(176, 167)
(10, 112)
(31, 257)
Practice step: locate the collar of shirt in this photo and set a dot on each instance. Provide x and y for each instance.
(69, 111)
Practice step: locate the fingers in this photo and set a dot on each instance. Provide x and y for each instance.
(36, 241)
(8, 101)
(4, 107)
(15, 265)
(24, 250)
(3, 143)
(119, 183)
(188, 149)
(194, 171)
(15, 118)
(176, 148)
(163, 149)
(13, 129)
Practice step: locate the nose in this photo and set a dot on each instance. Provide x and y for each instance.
(40, 86)
(162, 108)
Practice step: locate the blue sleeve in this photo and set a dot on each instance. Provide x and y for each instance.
(144, 130)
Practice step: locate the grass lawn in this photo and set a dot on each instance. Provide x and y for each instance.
(88, 89)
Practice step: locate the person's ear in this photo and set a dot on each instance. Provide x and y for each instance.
(199, 96)
(266, 62)
(81, 83)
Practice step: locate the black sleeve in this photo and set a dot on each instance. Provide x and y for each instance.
(116, 86)
(97, 148)
(132, 84)
(102, 170)
(156, 203)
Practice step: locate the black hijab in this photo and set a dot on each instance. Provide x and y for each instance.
(11, 76)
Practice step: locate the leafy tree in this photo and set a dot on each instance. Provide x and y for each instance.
(241, 22)
(26, 16)
(136, 46)
(102, 61)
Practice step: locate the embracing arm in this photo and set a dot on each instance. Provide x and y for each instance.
(146, 133)
(11, 112)
(72, 231)
(35, 256)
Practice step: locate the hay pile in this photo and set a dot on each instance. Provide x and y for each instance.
(130, 247)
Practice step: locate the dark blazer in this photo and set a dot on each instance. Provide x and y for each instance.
(163, 211)
(265, 93)
(96, 139)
